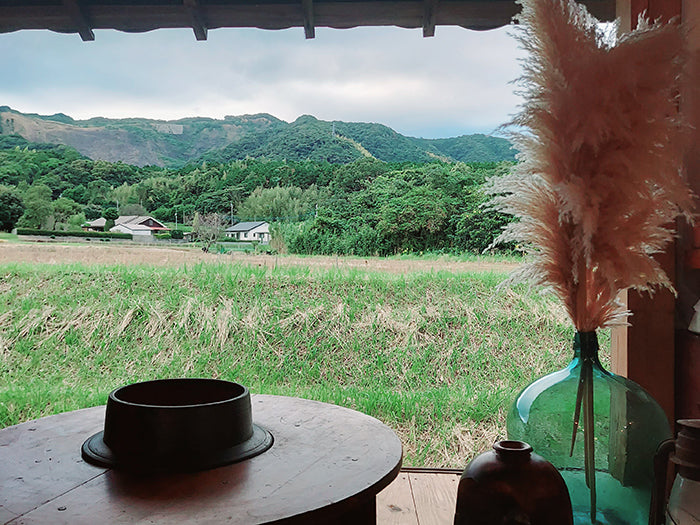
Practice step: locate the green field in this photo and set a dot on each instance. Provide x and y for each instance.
(437, 356)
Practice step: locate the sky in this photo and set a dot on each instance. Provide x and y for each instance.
(457, 82)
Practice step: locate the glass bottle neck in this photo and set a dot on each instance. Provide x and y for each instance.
(586, 347)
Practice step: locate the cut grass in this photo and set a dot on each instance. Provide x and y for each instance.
(437, 356)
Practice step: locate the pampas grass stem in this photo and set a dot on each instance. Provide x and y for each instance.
(589, 432)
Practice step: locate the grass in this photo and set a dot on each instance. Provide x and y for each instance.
(8, 237)
(437, 356)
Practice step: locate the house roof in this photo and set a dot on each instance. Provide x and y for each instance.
(245, 226)
(98, 223)
(83, 16)
(139, 219)
(128, 219)
(131, 227)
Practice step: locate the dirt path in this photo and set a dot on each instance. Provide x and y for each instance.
(54, 253)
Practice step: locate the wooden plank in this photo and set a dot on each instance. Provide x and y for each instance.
(395, 503)
(435, 496)
(41, 459)
(6, 516)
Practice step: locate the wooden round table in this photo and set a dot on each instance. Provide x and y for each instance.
(326, 465)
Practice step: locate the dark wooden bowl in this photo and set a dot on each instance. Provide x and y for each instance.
(177, 425)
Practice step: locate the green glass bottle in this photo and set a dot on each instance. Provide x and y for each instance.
(599, 430)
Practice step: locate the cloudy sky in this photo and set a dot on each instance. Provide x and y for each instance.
(455, 83)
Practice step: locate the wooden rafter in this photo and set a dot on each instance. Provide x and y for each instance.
(82, 16)
(195, 13)
(429, 10)
(309, 21)
(77, 14)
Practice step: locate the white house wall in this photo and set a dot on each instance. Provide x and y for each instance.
(122, 229)
(259, 233)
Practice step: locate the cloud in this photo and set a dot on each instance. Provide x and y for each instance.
(454, 83)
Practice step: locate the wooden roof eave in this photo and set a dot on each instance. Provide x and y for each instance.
(84, 16)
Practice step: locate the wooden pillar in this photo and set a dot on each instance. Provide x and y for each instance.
(688, 269)
(664, 9)
(645, 351)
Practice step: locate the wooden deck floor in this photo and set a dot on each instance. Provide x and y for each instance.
(419, 498)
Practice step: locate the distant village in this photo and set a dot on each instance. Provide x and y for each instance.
(145, 228)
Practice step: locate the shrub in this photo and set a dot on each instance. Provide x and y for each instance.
(57, 233)
(177, 234)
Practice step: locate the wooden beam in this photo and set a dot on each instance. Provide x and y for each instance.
(195, 13)
(139, 16)
(430, 8)
(77, 14)
(309, 20)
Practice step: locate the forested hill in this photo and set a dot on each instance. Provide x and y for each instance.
(142, 142)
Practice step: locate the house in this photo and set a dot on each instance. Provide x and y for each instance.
(138, 225)
(133, 224)
(154, 224)
(250, 231)
(98, 225)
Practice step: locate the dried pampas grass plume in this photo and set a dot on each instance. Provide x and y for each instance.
(601, 144)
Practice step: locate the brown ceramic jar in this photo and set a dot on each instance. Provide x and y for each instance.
(512, 486)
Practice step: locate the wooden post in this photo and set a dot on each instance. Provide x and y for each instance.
(645, 351)
(688, 273)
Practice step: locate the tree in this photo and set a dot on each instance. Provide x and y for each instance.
(92, 211)
(477, 226)
(124, 195)
(78, 193)
(111, 215)
(63, 208)
(38, 207)
(132, 209)
(153, 192)
(80, 171)
(11, 172)
(278, 203)
(75, 222)
(11, 208)
(208, 228)
(54, 182)
(412, 219)
(98, 191)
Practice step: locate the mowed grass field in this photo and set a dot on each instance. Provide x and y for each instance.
(437, 355)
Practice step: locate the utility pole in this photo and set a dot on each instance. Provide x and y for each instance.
(176, 220)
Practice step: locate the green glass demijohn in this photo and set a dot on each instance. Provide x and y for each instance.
(615, 426)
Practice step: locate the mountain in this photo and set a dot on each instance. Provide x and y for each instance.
(141, 142)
